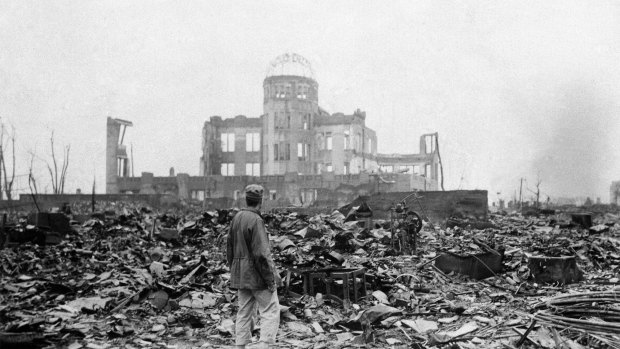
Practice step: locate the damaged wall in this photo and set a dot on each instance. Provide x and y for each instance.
(49, 201)
(437, 205)
(290, 189)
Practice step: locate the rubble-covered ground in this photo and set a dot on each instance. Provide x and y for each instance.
(138, 278)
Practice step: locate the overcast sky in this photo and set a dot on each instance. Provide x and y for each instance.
(515, 89)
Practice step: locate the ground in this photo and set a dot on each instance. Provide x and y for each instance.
(136, 277)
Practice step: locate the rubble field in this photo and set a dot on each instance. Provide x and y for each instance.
(134, 277)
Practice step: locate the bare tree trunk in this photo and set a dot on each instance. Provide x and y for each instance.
(65, 166)
(55, 177)
(32, 184)
(7, 188)
(58, 180)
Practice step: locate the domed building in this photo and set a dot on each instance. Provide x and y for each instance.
(295, 135)
(298, 151)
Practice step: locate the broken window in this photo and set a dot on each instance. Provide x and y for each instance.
(307, 196)
(252, 169)
(228, 169)
(282, 151)
(305, 122)
(272, 194)
(300, 92)
(277, 123)
(416, 169)
(236, 195)
(252, 142)
(328, 141)
(387, 168)
(303, 151)
(228, 142)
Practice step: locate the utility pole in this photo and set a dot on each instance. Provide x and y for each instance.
(520, 196)
(132, 160)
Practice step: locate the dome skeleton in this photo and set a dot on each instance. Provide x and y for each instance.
(290, 64)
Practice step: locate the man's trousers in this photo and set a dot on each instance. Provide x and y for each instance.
(268, 309)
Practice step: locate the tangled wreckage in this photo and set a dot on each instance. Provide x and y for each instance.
(132, 277)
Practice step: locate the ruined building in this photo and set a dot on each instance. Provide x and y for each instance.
(614, 193)
(297, 150)
(116, 160)
(294, 134)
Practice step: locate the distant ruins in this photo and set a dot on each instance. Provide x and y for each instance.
(614, 193)
(300, 153)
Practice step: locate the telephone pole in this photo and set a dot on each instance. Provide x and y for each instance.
(520, 196)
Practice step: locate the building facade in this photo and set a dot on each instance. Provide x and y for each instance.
(295, 135)
(298, 151)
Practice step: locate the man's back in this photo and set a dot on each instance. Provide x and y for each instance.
(248, 252)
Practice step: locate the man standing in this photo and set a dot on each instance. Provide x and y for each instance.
(252, 272)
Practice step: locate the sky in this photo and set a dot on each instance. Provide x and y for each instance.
(515, 89)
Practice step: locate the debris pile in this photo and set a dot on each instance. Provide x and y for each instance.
(131, 277)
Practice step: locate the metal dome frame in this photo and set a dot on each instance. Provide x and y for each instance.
(290, 64)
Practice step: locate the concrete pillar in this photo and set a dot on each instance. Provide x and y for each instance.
(111, 164)
(115, 150)
(146, 183)
(183, 185)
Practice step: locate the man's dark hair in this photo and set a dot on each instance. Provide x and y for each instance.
(252, 201)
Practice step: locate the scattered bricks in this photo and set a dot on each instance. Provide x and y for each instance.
(478, 266)
(561, 270)
(582, 219)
